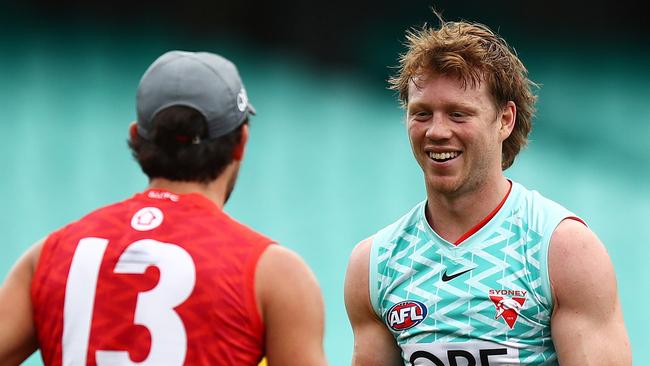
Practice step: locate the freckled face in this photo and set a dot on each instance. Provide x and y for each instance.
(455, 133)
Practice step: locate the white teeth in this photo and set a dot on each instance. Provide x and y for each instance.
(443, 156)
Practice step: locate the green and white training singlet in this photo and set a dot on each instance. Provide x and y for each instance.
(484, 302)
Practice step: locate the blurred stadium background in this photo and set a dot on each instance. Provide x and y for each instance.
(329, 162)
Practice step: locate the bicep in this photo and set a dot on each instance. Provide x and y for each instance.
(292, 309)
(373, 343)
(17, 334)
(587, 323)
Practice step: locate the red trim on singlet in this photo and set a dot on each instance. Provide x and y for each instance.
(487, 218)
(576, 218)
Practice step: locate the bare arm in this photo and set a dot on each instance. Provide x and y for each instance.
(374, 345)
(17, 333)
(587, 323)
(291, 305)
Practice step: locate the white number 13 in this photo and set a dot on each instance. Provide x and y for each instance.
(154, 308)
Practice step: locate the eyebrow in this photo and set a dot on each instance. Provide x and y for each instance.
(445, 105)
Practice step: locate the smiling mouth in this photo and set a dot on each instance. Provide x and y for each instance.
(442, 157)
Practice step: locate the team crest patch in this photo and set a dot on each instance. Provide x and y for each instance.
(508, 304)
(147, 218)
(406, 314)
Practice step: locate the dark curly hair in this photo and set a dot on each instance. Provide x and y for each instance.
(179, 148)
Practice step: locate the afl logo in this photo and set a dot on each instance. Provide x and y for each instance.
(406, 314)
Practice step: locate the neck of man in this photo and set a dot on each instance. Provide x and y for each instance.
(216, 191)
(452, 215)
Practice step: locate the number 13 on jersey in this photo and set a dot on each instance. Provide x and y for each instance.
(154, 308)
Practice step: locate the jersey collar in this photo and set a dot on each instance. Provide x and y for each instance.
(193, 199)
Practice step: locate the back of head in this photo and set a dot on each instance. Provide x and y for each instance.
(191, 107)
(179, 148)
(474, 54)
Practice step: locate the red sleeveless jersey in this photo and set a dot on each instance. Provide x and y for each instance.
(158, 279)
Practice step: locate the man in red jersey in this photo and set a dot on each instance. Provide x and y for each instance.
(166, 277)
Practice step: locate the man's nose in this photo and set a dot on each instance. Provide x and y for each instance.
(439, 128)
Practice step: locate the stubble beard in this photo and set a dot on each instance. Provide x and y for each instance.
(465, 182)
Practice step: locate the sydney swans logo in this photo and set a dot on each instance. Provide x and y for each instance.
(508, 308)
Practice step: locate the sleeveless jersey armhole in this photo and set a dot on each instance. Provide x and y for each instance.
(44, 258)
(547, 290)
(257, 322)
(373, 276)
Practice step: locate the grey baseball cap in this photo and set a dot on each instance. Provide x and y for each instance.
(204, 81)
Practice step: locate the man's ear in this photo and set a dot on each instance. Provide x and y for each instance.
(238, 152)
(133, 132)
(507, 120)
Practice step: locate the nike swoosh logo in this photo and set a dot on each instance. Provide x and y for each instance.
(446, 278)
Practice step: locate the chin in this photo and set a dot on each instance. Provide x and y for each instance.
(444, 185)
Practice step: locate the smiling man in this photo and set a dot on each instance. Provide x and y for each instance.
(483, 271)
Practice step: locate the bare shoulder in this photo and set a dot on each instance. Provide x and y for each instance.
(20, 277)
(356, 290)
(579, 263)
(356, 277)
(574, 236)
(292, 308)
(587, 323)
(34, 254)
(360, 256)
(26, 264)
(362, 249)
(373, 343)
(282, 274)
(278, 261)
(16, 323)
